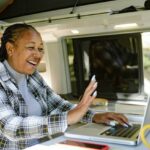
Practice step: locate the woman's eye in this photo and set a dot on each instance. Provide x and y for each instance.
(41, 49)
(31, 48)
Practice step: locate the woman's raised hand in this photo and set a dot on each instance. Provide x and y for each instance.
(79, 111)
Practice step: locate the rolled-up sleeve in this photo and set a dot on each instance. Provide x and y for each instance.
(57, 123)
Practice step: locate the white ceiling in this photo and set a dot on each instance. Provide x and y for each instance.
(93, 19)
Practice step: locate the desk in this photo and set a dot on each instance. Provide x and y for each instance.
(45, 145)
(112, 146)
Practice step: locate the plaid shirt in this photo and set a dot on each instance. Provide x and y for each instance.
(17, 128)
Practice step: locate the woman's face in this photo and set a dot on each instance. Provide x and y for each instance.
(26, 53)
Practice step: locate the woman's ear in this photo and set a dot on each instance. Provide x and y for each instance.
(9, 48)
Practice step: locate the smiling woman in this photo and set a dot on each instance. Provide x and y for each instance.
(28, 50)
(29, 108)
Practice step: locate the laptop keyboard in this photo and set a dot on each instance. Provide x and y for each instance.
(120, 131)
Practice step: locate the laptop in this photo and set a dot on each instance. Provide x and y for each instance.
(111, 134)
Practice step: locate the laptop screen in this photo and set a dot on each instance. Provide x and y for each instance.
(116, 60)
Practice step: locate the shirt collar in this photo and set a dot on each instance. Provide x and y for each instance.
(16, 75)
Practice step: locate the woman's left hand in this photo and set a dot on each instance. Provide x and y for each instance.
(109, 116)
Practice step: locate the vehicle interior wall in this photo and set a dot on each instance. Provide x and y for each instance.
(89, 20)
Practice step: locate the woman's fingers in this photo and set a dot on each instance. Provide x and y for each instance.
(91, 84)
(109, 116)
(90, 90)
(90, 93)
(120, 118)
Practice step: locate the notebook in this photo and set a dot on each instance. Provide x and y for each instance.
(105, 133)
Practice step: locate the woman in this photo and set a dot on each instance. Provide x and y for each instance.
(29, 109)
